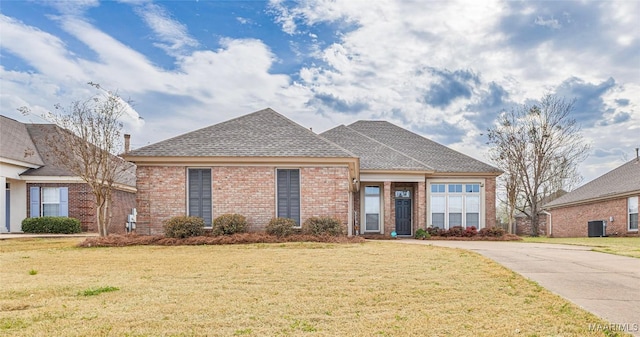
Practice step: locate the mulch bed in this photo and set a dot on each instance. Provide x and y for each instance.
(506, 237)
(242, 238)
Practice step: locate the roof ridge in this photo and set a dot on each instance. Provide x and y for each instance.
(389, 147)
(423, 138)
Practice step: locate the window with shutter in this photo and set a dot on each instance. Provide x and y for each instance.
(199, 194)
(288, 194)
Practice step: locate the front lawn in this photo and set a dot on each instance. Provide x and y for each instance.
(52, 288)
(626, 246)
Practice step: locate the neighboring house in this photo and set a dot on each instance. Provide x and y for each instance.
(611, 199)
(36, 184)
(374, 177)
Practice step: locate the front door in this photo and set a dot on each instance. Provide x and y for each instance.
(403, 216)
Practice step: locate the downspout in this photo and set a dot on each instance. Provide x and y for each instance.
(550, 226)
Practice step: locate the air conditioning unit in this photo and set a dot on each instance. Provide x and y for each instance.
(597, 228)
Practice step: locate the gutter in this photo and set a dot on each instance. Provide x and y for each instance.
(550, 226)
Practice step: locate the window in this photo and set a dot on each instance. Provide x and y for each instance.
(633, 213)
(199, 198)
(455, 205)
(48, 201)
(288, 194)
(372, 208)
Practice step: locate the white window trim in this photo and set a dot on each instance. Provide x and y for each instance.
(42, 202)
(637, 200)
(482, 194)
(363, 215)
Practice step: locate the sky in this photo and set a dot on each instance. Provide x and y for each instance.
(443, 69)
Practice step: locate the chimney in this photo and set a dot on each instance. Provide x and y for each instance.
(127, 142)
(637, 155)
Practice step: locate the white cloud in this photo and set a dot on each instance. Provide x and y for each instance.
(173, 34)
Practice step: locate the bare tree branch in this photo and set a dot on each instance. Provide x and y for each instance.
(538, 147)
(87, 142)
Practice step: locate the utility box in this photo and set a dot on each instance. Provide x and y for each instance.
(597, 228)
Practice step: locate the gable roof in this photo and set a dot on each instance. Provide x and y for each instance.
(373, 154)
(42, 135)
(16, 143)
(620, 182)
(264, 133)
(30, 144)
(433, 155)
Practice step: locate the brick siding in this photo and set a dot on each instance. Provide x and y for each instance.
(572, 221)
(246, 190)
(82, 206)
(490, 201)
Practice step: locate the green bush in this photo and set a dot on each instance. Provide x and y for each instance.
(51, 224)
(228, 224)
(323, 225)
(281, 227)
(183, 227)
(422, 234)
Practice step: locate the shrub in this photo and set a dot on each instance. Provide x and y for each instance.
(455, 231)
(228, 224)
(470, 232)
(280, 227)
(491, 232)
(435, 231)
(51, 224)
(422, 234)
(322, 226)
(183, 227)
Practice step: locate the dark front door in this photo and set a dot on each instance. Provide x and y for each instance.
(403, 216)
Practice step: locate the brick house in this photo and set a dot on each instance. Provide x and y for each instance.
(37, 185)
(373, 176)
(610, 202)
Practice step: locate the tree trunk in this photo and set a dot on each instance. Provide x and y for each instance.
(535, 225)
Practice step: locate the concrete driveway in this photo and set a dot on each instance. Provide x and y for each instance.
(606, 285)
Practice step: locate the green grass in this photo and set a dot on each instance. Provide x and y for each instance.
(291, 289)
(625, 246)
(97, 291)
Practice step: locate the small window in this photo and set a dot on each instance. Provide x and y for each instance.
(455, 188)
(437, 188)
(403, 194)
(633, 213)
(472, 188)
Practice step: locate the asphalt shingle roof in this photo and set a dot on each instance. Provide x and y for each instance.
(622, 180)
(439, 157)
(16, 144)
(264, 133)
(373, 154)
(31, 143)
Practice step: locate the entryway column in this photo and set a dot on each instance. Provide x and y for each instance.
(421, 205)
(389, 221)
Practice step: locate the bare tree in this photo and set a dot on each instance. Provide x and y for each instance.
(86, 143)
(538, 147)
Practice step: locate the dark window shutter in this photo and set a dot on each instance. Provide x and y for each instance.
(200, 203)
(288, 194)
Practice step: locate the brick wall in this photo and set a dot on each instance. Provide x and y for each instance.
(82, 206)
(572, 221)
(246, 190)
(490, 201)
(161, 195)
(523, 225)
